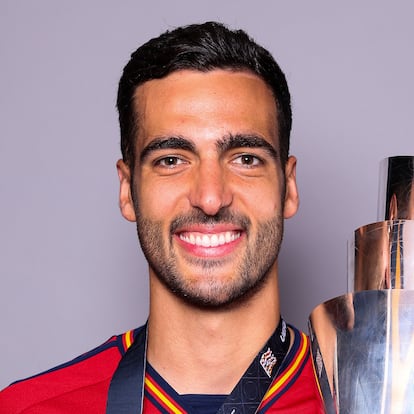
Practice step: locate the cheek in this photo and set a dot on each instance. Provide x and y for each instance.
(267, 206)
(159, 201)
(262, 199)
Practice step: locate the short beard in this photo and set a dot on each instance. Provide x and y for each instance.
(253, 270)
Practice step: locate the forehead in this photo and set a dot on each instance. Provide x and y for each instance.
(212, 103)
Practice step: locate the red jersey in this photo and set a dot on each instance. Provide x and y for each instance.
(81, 385)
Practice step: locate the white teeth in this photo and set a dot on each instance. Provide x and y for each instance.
(205, 241)
(214, 240)
(228, 237)
(210, 240)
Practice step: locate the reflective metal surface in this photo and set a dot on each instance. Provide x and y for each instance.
(363, 342)
(363, 352)
(396, 195)
(381, 256)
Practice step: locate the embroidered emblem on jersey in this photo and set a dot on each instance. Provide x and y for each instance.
(319, 363)
(283, 333)
(287, 376)
(268, 361)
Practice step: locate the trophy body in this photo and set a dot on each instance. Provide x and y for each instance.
(363, 349)
(363, 341)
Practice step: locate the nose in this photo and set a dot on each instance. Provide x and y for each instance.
(210, 190)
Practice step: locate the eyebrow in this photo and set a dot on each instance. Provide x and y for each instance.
(231, 141)
(167, 143)
(224, 144)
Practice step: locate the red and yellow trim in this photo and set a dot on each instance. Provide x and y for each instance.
(290, 371)
(167, 402)
(127, 339)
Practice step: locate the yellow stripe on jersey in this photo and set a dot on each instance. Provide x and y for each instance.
(285, 377)
(128, 339)
(151, 386)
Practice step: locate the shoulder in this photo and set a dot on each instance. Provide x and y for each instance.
(79, 385)
(295, 389)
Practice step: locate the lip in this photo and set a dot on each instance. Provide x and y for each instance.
(209, 241)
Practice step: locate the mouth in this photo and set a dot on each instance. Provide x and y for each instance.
(209, 240)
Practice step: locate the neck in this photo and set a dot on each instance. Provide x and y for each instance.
(214, 346)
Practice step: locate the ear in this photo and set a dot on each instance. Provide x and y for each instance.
(291, 196)
(126, 204)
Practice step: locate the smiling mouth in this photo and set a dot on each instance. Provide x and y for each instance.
(210, 240)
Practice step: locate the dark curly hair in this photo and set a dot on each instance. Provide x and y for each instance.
(202, 47)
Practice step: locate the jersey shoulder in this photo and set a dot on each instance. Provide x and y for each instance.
(78, 386)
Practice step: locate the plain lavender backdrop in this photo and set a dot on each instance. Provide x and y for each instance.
(71, 271)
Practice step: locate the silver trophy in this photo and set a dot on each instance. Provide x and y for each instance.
(363, 342)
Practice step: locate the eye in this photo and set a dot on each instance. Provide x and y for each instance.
(247, 160)
(169, 162)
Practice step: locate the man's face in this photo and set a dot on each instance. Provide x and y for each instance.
(208, 189)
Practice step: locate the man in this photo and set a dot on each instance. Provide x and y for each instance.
(205, 121)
